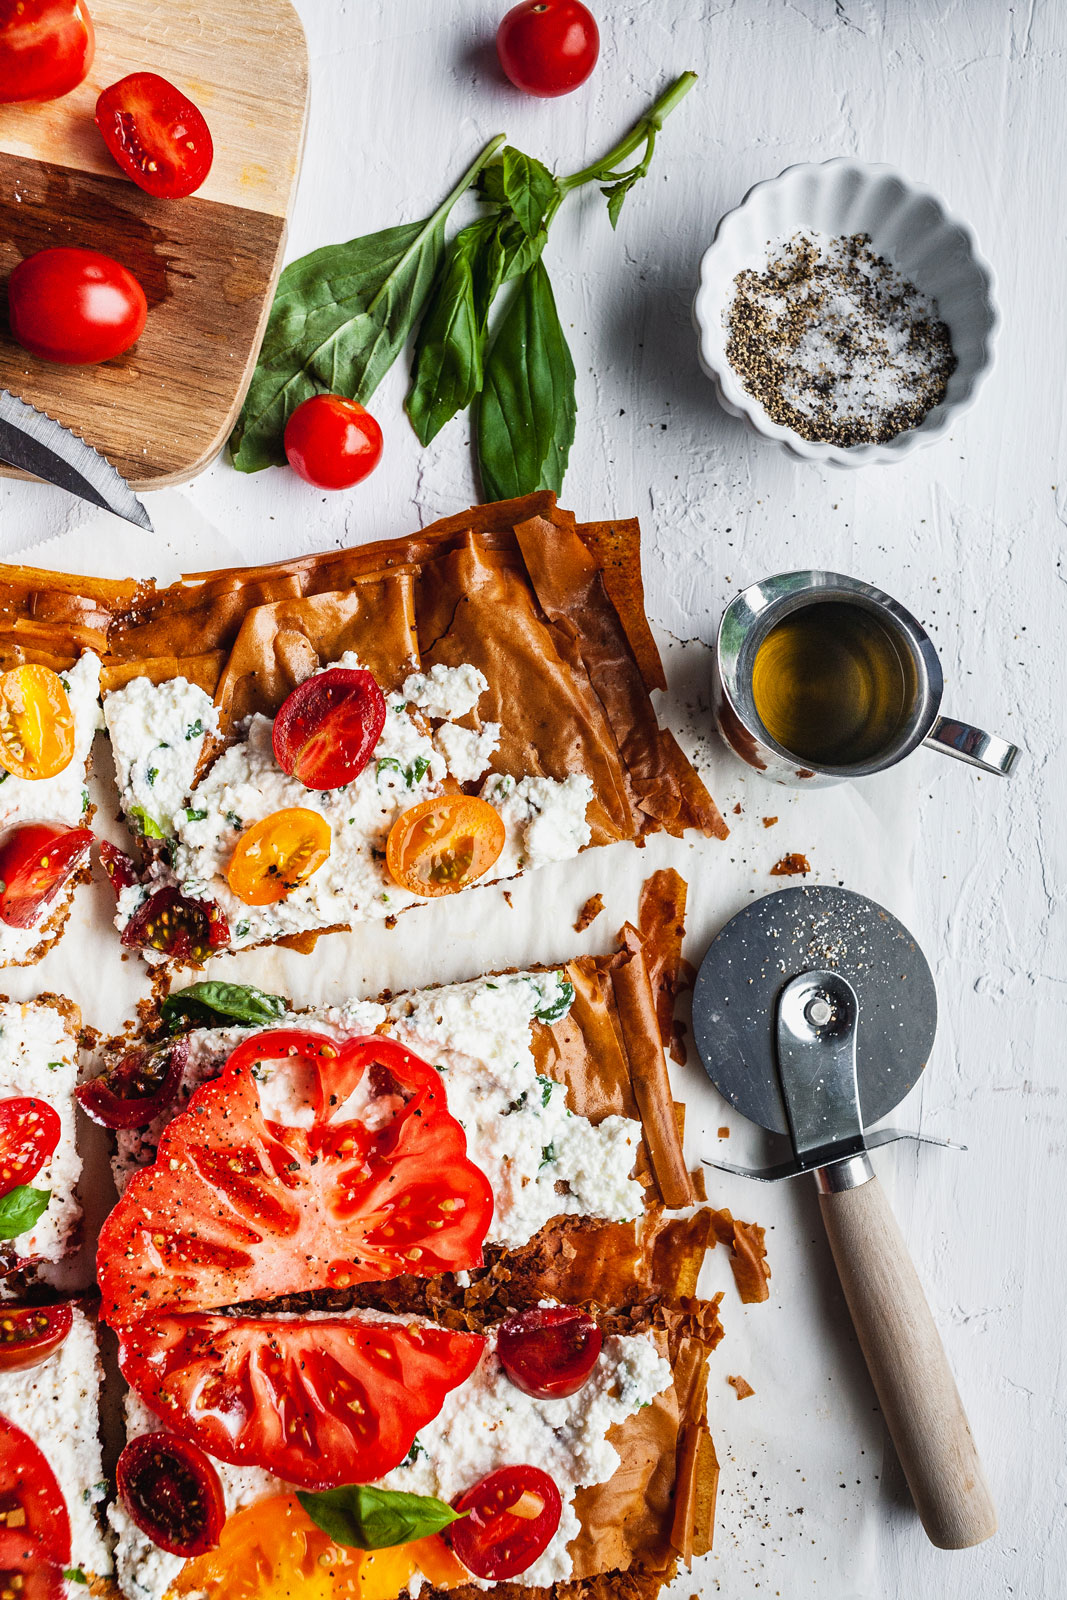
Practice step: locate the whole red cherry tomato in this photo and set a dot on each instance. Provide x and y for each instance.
(548, 1351)
(156, 134)
(332, 442)
(46, 48)
(548, 47)
(76, 307)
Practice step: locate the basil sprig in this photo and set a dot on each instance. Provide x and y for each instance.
(205, 1004)
(21, 1208)
(342, 315)
(373, 1519)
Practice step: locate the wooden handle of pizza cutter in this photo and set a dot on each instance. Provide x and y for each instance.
(907, 1363)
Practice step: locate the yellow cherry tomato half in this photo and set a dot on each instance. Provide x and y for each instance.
(442, 845)
(274, 856)
(36, 723)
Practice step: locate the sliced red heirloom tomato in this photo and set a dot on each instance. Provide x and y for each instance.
(118, 867)
(326, 730)
(75, 307)
(338, 1400)
(549, 1351)
(548, 47)
(30, 1334)
(172, 1492)
(184, 929)
(36, 859)
(141, 1085)
(444, 844)
(36, 722)
(34, 1524)
(332, 442)
(512, 1516)
(46, 48)
(277, 854)
(156, 134)
(29, 1133)
(238, 1207)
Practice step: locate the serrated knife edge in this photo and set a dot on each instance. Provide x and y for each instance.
(34, 442)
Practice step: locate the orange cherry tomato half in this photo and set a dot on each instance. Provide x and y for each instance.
(274, 856)
(36, 723)
(444, 844)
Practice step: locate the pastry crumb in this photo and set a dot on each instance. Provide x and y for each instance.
(589, 912)
(768, 822)
(793, 865)
(724, 1133)
(741, 1386)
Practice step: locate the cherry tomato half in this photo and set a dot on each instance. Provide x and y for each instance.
(277, 854)
(36, 723)
(549, 1351)
(156, 134)
(326, 730)
(332, 442)
(172, 1492)
(548, 47)
(46, 48)
(513, 1515)
(36, 859)
(118, 867)
(75, 307)
(442, 845)
(30, 1334)
(40, 1535)
(29, 1133)
(186, 930)
(138, 1088)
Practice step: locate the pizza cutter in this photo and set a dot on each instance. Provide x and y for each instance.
(814, 1012)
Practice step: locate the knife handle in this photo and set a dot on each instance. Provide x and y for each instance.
(907, 1364)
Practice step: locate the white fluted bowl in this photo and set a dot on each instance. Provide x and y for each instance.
(910, 227)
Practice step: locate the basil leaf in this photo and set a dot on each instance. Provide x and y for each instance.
(74, 1575)
(147, 826)
(373, 1519)
(20, 1208)
(527, 187)
(560, 1007)
(449, 351)
(527, 412)
(340, 318)
(210, 1002)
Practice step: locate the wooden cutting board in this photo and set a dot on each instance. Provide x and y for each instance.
(208, 264)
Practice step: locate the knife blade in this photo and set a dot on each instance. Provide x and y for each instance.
(35, 443)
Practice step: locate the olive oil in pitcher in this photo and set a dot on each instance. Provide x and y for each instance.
(832, 685)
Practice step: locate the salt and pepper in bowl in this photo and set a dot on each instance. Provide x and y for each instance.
(844, 314)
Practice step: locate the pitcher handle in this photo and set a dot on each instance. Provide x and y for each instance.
(978, 749)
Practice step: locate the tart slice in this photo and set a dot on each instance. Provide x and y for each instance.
(51, 1543)
(47, 723)
(40, 1214)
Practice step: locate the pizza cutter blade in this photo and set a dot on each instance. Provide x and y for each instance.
(814, 1012)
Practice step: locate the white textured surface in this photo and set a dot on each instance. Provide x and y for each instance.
(968, 97)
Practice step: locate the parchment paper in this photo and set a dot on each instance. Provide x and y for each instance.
(802, 1458)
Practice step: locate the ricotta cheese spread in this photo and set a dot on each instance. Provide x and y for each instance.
(157, 749)
(484, 1424)
(56, 1404)
(542, 1159)
(38, 1057)
(63, 798)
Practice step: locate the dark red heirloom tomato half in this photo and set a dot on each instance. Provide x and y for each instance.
(75, 307)
(46, 48)
(238, 1207)
(326, 730)
(38, 1540)
(29, 1133)
(156, 134)
(322, 1403)
(549, 1351)
(548, 47)
(36, 859)
(512, 1515)
(141, 1085)
(332, 442)
(30, 1334)
(184, 929)
(172, 1493)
